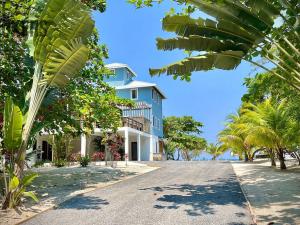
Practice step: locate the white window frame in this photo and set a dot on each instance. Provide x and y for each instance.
(137, 93)
(128, 74)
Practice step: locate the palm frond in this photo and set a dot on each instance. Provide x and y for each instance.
(226, 60)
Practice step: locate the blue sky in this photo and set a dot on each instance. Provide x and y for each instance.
(130, 35)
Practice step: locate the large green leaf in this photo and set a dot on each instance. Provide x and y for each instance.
(221, 30)
(58, 25)
(31, 195)
(198, 43)
(13, 121)
(14, 183)
(226, 60)
(239, 13)
(65, 63)
(27, 180)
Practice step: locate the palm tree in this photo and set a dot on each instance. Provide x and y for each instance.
(270, 125)
(234, 137)
(239, 30)
(60, 52)
(215, 150)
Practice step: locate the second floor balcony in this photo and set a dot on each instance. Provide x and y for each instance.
(138, 117)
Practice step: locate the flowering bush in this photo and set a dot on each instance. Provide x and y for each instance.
(98, 156)
(117, 156)
(74, 157)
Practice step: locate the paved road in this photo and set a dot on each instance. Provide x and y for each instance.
(179, 193)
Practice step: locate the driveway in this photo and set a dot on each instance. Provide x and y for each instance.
(183, 193)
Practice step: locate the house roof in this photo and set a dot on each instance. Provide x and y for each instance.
(120, 65)
(140, 84)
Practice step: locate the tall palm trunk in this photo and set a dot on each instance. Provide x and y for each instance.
(272, 157)
(280, 154)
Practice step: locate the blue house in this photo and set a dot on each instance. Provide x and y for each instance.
(142, 125)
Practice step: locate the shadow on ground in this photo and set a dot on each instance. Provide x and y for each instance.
(55, 184)
(200, 199)
(274, 193)
(84, 202)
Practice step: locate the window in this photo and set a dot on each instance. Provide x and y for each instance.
(128, 74)
(155, 96)
(134, 94)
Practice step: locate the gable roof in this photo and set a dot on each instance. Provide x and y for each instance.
(141, 84)
(120, 65)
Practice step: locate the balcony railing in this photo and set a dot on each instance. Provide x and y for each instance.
(128, 122)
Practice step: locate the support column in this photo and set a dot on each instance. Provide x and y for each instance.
(39, 148)
(83, 145)
(151, 148)
(126, 144)
(139, 147)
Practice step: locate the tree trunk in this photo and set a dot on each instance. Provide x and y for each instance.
(178, 155)
(273, 162)
(246, 157)
(250, 158)
(272, 157)
(281, 159)
(6, 201)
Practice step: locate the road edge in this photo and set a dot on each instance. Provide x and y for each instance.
(246, 197)
(85, 192)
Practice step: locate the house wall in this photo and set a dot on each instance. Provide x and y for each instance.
(145, 94)
(145, 149)
(122, 76)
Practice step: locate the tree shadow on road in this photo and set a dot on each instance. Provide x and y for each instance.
(273, 193)
(84, 202)
(200, 199)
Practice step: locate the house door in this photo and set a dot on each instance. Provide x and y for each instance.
(46, 151)
(134, 155)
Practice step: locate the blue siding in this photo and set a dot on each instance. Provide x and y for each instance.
(144, 94)
(120, 77)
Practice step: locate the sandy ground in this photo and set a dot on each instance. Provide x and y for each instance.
(56, 185)
(274, 195)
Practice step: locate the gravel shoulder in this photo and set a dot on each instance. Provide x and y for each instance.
(56, 185)
(180, 193)
(274, 195)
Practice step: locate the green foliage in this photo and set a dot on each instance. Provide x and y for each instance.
(17, 190)
(60, 52)
(84, 161)
(39, 164)
(215, 150)
(12, 129)
(233, 136)
(99, 5)
(60, 162)
(182, 133)
(271, 125)
(238, 30)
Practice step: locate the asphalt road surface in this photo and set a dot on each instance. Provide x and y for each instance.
(179, 193)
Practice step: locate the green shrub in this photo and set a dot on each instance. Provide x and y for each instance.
(17, 190)
(84, 161)
(60, 163)
(39, 164)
